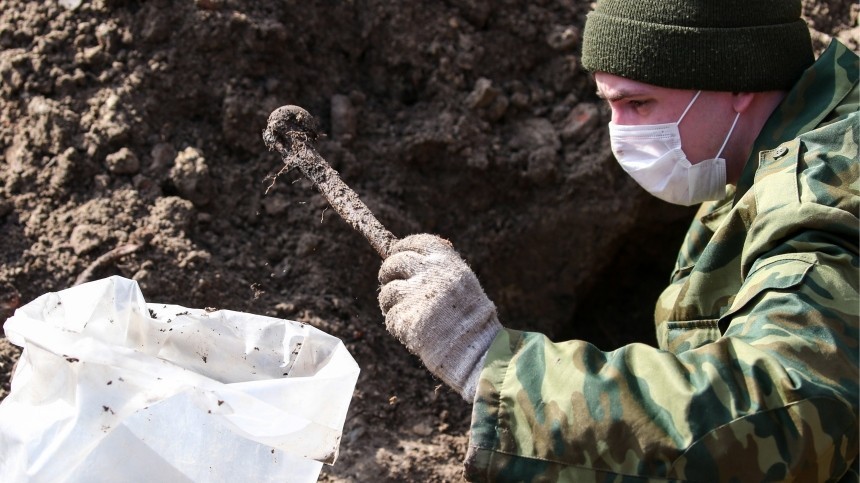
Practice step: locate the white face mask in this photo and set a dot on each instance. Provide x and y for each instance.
(652, 155)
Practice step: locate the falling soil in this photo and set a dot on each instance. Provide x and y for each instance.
(138, 124)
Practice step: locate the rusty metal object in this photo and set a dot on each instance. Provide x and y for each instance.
(292, 131)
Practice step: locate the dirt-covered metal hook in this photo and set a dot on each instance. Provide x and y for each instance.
(292, 132)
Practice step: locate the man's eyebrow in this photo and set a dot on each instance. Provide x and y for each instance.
(618, 95)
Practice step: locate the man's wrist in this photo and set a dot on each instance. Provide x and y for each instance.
(459, 365)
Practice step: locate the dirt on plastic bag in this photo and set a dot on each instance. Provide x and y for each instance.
(110, 388)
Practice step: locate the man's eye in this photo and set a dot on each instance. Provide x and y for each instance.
(637, 104)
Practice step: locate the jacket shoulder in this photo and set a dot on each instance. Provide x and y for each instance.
(819, 167)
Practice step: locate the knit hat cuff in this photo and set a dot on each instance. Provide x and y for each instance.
(750, 59)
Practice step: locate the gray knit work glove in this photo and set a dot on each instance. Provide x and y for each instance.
(435, 306)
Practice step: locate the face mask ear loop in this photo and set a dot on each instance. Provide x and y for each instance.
(688, 108)
(729, 135)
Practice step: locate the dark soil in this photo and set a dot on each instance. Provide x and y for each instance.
(130, 122)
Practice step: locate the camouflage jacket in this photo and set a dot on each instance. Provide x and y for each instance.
(756, 374)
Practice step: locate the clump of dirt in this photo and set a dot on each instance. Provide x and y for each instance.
(129, 123)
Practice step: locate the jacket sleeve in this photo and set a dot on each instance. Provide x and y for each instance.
(779, 386)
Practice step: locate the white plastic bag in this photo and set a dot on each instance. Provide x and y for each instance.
(110, 388)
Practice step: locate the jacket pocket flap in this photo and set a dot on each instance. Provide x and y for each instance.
(779, 272)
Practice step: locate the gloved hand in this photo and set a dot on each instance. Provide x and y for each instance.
(435, 306)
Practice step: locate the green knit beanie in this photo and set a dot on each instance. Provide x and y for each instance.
(730, 45)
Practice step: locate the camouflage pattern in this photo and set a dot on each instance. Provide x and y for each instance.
(756, 374)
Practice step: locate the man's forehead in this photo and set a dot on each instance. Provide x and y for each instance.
(612, 88)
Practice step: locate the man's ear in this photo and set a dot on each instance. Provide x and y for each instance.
(741, 101)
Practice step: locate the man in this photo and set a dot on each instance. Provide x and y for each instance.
(756, 374)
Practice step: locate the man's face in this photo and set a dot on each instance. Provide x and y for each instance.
(703, 129)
